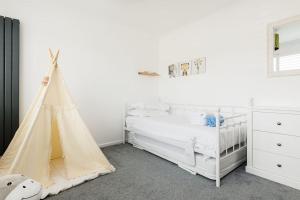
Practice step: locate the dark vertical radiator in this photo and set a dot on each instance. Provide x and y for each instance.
(9, 80)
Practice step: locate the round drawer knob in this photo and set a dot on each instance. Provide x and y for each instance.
(279, 165)
(279, 144)
(279, 123)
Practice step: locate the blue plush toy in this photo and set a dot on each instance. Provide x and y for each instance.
(211, 120)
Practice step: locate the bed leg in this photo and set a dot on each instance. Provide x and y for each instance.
(218, 182)
(218, 168)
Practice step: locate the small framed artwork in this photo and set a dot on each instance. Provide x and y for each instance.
(185, 68)
(198, 66)
(173, 70)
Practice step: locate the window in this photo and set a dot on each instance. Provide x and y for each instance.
(284, 47)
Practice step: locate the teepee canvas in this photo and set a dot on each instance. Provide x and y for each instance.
(52, 145)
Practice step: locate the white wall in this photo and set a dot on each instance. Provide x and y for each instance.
(234, 40)
(101, 53)
(99, 58)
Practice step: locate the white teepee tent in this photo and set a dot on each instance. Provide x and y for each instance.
(52, 145)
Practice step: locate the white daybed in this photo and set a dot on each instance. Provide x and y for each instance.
(209, 151)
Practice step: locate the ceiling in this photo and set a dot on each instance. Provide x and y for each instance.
(155, 16)
(160, 16)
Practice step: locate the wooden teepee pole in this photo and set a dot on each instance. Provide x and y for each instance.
(53, 57)
(50, 54)
(56, 57)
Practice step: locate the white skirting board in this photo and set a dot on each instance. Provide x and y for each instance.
(106, 144)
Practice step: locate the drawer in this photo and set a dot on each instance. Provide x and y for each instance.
(280, 165)
(276, 143)
(277, 123)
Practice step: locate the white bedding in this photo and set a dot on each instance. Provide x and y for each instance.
(179, 128)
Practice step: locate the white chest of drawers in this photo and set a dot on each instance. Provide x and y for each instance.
(274, 144)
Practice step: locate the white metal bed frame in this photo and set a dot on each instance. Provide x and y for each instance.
(236, 120)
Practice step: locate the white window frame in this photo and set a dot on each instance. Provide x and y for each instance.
(271, 72)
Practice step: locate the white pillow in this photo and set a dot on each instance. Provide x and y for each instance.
(136, 113)
(137, 105)
(198, 118)
(177, 111)
(146, 113)
(157, 106)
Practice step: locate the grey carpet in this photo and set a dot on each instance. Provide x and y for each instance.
(144, 176)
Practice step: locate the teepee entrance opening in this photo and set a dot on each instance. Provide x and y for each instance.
(56, 152)
(57, 167)
(53, 145)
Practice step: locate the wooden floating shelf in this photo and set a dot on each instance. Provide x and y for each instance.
(146, 73)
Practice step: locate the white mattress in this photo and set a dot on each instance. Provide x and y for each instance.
(179, 128)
